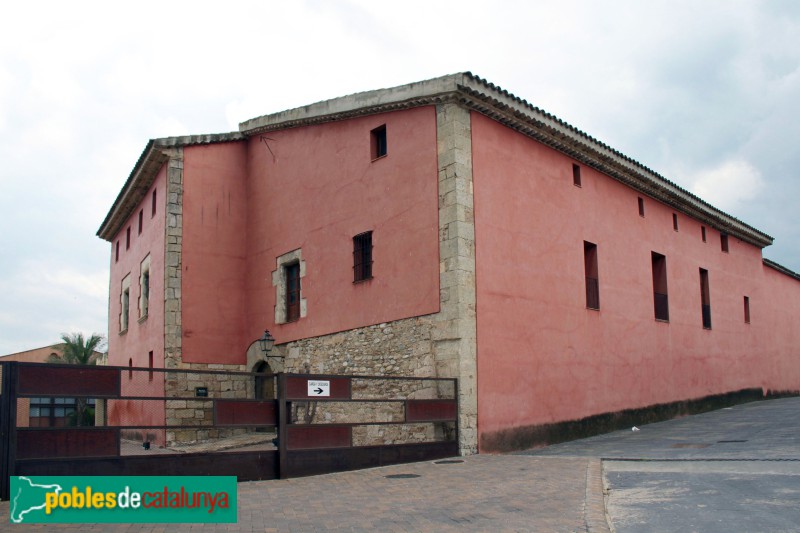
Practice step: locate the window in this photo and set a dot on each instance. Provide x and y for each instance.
(60, 412)
(153, 205)
(576, 175)
(128, 238)
(705, 298)
(150, 365)
(723, 241)
(290, 269)
(141, 217)
(590, 268)
(703, 233)
(130, 368)
(675, 221)
(746, 309)
(144, 288)
(125, 299)
(116, 257)
(660, 299)
(641, 206)
(378, 138)
(292, 273)
(362, 257)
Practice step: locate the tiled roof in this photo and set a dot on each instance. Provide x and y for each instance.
(484, 97)
(467, 90)
(782, 269)
(144, 173)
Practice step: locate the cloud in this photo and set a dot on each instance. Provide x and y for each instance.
(48, 299)
(729, 185)
(703, 92)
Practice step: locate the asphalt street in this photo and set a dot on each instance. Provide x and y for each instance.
(735, 469)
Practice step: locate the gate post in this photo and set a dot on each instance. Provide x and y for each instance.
(283, 417)
(8, 426)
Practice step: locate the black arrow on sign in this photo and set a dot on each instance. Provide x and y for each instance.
(318, 390)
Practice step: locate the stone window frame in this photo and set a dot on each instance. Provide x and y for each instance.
(279, 282)
(144, 283)
(125, 303)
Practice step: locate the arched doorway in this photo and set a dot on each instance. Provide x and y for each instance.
(264, 385)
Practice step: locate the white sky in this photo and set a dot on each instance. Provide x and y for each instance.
(705, 93)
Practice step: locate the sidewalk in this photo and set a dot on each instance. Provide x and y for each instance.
(482, 493)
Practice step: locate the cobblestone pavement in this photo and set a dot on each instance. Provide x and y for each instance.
(482, 493)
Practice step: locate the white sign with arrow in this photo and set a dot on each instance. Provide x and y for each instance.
(319, 388)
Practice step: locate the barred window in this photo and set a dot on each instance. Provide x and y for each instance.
(362, 257)
(292, 292)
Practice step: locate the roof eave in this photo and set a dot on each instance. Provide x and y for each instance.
(484, 97)
(139, 180)
(155, 154)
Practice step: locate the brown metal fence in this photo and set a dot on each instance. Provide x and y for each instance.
(73, 420)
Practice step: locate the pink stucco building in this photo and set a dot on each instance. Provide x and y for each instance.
(447, 228)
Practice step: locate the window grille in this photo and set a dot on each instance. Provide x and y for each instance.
(362, 256)
(292, 292)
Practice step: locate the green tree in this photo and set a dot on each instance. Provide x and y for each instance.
(79, 350)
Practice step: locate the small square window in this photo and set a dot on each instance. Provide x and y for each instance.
(153, 205)
(641, 206)
(576, 175)
(116, 257)
(362, 257)
(141, 219)
(703, 232)
(723, 241)
(128, 238)
(379, 146)
(675, 221)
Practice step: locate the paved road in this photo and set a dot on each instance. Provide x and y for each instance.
(735, 469)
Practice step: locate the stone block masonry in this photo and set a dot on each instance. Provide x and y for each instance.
(454, 327)
(172, 262)
(438, 345)
(442, 344)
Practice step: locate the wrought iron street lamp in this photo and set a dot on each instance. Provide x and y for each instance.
(267, 342)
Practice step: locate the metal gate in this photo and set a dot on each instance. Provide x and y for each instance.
(85, 420)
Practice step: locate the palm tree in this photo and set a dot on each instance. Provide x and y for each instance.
(77, 350)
